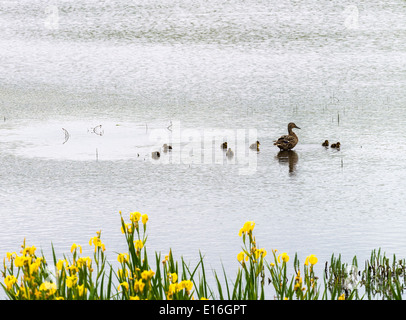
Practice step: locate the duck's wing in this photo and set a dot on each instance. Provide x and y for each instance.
(286, 142)
(283, 139)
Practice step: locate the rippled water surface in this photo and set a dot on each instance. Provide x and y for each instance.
(89, 88)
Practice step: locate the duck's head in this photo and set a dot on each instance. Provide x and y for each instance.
(291, 125)
(258, 143)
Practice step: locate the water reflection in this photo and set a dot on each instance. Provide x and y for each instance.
(290, 157)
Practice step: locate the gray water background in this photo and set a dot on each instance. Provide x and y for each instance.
(337, 69)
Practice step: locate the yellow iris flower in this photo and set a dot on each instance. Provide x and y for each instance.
(48, 286)
(123, 284)
(74, 247)
(284, 256)
(139, 285)
(138, 244)
(146, 275)
(122, 257)
(312, 259)
(135, 216)
(10, 280)
(247, 228)
(71, 281)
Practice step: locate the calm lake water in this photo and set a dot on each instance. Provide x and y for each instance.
(122, 78)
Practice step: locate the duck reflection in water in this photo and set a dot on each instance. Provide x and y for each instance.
(290, 157)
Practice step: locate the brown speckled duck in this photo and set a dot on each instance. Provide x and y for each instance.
(325, 143)
(289, 141)
(155, 155)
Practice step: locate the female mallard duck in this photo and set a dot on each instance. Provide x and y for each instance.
(325, 143)
(255, 146)
(229, 153)
(289, 141)
(166, 147)
(224, 145)
(336, 145)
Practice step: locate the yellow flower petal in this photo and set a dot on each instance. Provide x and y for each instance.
(284, 256)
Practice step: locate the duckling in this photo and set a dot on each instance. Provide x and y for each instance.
(229, 153)
(167, 147)
(325, 143)
(336, 145)
(255, 146)
(289, 141)
(155, 155)
(224, 145)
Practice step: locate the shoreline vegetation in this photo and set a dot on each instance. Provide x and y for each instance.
(27, 276)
